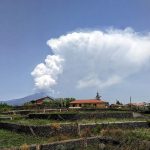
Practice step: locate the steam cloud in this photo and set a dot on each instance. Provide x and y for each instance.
(93, 58)
(46, 73)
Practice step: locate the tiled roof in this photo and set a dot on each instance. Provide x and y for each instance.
(40, 99)
(87, 101)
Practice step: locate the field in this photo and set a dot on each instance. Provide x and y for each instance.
(11, 139)
(24, 121)
(127, 138)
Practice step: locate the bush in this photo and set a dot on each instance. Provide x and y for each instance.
(56, 126)
(86, 132)
(117, 133)
(5, 107)
(24, 147)
(97, 129)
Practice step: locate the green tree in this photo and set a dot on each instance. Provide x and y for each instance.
(5, 107)
(67, 101)
(118, 103)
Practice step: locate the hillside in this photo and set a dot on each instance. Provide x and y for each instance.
(21, 101)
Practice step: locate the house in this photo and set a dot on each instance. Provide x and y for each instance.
(43, 99)
(117, 106)
(90, 103)
(139, 104)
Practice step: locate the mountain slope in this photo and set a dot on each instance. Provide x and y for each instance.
(21, 101)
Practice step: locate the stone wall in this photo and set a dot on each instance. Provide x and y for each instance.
(77, 116)
(46, 130)
(78, 143)
(103, 115)
(68, 129)
(124, 125)
(53, 116)
(73, 144)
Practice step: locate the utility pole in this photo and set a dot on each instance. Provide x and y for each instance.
(130, 102)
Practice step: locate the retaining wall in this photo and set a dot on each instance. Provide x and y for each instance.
(124, 125)
(55, 116)
(103, 115)
(77, 144)
(73, 144)
(44, 131)
(77, 116)
(68, 129)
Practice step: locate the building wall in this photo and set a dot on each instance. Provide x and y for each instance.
(101, 105)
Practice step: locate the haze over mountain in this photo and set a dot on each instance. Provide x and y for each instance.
(21, 101)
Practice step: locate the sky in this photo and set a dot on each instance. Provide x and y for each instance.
(72, 48)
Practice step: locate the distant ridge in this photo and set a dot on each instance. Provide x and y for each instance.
(21, 101)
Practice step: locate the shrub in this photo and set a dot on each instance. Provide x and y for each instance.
(97, 129)
(148, 121)
(5, 107)
(112, 132)
(56, 126)
(86, 132)
(24, 147)
(62, 137)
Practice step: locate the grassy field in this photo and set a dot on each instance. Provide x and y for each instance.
(24, 121)
(11, 139)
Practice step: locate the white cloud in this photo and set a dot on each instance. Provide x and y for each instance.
(93, 58)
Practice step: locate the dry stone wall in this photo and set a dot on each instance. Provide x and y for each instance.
(78, 116)
(68, 129)
(73, 144)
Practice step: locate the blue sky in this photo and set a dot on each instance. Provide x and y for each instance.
(25, 27)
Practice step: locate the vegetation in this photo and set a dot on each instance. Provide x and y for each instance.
(9, 139)
(5, 107)
(118, 102)
(137, 139)
(12, 139)
(21, 120)
(58, 103)
(128, 138)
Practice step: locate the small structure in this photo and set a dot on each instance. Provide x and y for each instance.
(90, 103)
(138, 106)
(117, 106)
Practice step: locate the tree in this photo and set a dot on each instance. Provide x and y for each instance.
(33, 102)
(5, 107)
(118, 103)
(67, 101)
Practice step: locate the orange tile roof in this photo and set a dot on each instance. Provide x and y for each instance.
(87, 101)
